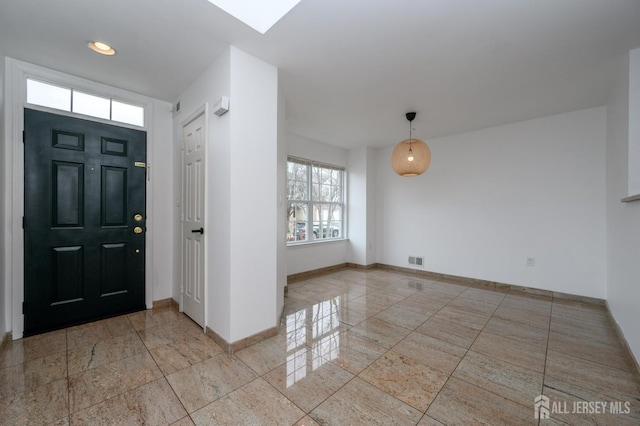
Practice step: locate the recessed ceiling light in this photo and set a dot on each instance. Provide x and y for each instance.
(258, 14)
(101, 48)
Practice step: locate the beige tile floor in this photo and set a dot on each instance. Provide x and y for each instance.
(354, 347)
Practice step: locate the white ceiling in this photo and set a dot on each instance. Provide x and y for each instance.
(350, 69)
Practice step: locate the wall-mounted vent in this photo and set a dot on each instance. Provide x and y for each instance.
(176, 108)
(221, 107)
(416, 261)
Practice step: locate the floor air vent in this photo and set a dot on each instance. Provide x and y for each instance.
(416, 261)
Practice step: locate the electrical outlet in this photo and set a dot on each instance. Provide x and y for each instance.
(531, 261)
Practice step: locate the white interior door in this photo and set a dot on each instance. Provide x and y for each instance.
(193, 226)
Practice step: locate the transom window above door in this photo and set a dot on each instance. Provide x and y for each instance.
(72, 100)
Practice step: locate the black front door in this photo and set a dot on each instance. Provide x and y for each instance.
(84, 221)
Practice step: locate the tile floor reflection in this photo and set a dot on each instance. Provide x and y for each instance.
(354, 347)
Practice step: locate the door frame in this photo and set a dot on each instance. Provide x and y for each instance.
(15, 102)
(202, 110)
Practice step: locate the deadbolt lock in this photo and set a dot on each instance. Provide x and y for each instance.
(137, 230)
(137, 217)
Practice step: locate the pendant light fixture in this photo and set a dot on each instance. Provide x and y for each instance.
(411, 157)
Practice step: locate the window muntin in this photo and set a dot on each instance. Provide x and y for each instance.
(315, 209)
(71, 100)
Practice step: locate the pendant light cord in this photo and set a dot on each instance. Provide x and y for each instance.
(410, 138)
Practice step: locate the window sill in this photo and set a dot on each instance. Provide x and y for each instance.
(312, 243)
(631, 198)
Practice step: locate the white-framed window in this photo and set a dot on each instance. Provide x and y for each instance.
(315, 201)
(72, 100)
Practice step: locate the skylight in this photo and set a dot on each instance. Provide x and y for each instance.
(260, 15)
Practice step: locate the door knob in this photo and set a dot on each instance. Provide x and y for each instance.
(195, 231)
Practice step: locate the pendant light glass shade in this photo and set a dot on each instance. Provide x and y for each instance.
(411, 157)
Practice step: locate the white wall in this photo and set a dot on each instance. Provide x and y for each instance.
(371, 249)
(282, 201)
(623, 219)
(493, 197)
(160, 210)
(357, 206)
(301, 147)
(254, 195)
(310, 256)
(5, 296)
(242, 193)
(361, 206)
(214, 83)
(634, 124)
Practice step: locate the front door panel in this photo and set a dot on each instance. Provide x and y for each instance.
(83, 260)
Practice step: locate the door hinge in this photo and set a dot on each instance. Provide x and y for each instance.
(22, 222)
(24, 136)
(23, 306)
